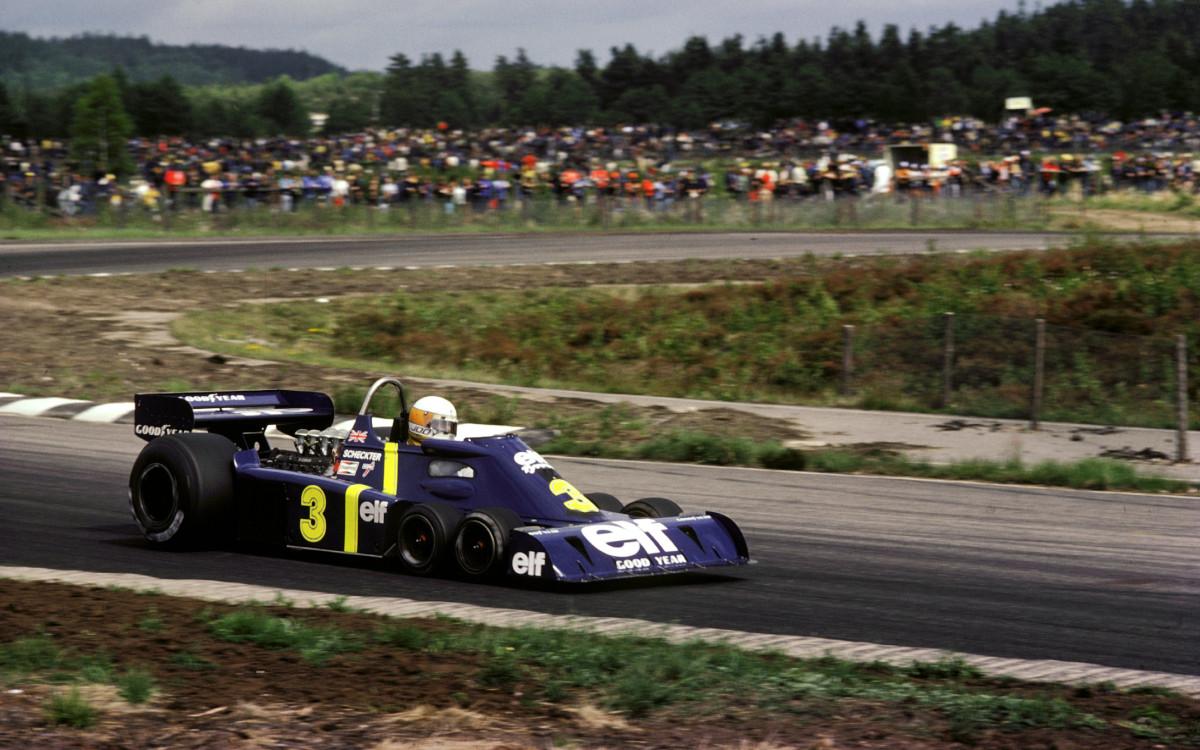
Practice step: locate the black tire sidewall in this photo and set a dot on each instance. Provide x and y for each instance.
(443, 521)
(652, 507)
(499, 523)
(605, 501)
(200, 467)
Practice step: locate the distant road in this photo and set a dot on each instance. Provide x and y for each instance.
(34, 259)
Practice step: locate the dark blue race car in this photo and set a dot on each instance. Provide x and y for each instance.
(485, 506)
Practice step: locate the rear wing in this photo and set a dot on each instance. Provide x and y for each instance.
(237, 415)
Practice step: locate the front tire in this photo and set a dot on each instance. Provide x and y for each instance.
(181, 490)
(425, 535)
(605, 501)
(652, 507)
(481, 540)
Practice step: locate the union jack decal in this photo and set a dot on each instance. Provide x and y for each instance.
(357, 436)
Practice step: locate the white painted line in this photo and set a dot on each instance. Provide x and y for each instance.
(34, 407)
(100, 275)
(105, 412)
(10, 395)
(1044, 670)
(385, 268)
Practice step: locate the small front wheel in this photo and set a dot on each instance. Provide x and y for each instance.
(605, 501)
(425, 534)
(482, 538)
(652, 507)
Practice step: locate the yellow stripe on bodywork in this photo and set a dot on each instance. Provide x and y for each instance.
(391, 467)
(350, 538)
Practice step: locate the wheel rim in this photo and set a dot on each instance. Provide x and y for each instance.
(158, 496)
(418, 541)
(476, 547)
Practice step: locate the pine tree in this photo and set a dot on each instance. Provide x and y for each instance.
(101, 128)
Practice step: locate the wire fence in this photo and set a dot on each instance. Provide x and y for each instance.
(194, 210)
(1002, 367)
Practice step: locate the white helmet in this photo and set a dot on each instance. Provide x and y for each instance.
(432, 417)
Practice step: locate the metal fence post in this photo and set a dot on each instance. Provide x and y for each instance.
(948, 359)
(1181, 398)
(1039, 367)
(847, 358)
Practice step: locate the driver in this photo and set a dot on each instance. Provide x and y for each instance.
(432, 417)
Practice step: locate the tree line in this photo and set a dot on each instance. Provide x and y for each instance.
(1107, 57)
(42, 64)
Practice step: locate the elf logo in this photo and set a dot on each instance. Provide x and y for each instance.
(372, 511)
(641, 536)
(528, 563)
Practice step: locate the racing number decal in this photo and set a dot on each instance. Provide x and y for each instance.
(313, 527)
(576, 499)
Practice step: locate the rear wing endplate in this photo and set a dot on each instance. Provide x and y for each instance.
(234, 414)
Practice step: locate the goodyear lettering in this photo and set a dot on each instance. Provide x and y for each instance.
(358, 455)
(628, 538)
(528, 563)
(373, 511)
(155, 430)
(669, 559)
(638, 563)
(216, 397)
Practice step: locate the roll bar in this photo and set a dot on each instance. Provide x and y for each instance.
(399, 433)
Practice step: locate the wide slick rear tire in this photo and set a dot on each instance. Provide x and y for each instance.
(425, 535)
(181, 490)
(482, 539)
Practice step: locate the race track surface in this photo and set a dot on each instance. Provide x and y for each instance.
(33, 259)
(1034, 573)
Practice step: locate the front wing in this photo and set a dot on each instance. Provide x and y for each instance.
(627, 548)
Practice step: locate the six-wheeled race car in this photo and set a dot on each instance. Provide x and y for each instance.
(486, 506)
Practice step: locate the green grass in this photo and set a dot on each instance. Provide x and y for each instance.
(135, 686)
(314, 644)
(70, 709)
(1110, 310)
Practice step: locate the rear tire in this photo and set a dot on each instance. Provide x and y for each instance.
(482, 539)
(605, 501)
(425, 535)
(652, 507)
(181, 490)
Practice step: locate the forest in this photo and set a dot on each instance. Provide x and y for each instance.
(1104, 58)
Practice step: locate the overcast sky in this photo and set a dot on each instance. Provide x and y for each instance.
(362, 34)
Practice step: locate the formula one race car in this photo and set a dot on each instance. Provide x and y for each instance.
(484, 506)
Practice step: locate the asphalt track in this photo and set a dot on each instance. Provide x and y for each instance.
(35, 259)
(1109, 579)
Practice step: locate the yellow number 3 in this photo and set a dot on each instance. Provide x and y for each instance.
(578, 501)
(313, 527)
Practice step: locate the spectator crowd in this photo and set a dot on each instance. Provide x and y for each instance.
(654, 167)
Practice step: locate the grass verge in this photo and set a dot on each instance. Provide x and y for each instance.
(698, 447)
(239, 652)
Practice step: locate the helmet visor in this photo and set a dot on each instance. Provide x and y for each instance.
(444, 426)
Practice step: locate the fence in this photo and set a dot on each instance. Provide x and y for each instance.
(269, 209)
(1004, 367)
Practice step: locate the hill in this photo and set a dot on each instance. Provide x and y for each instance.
(43, 64)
